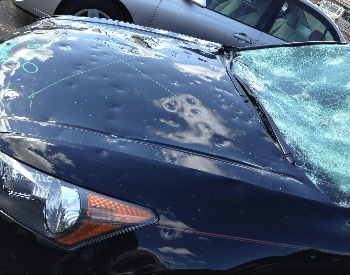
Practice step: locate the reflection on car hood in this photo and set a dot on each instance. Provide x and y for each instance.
(132, 85)
(307, 91)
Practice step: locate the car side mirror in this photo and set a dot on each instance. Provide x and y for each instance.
(201, 3)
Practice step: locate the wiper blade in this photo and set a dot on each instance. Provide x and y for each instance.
(247, 95)
(233, 49)
(267, 120)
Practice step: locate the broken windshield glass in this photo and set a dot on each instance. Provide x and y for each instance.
(306, 90)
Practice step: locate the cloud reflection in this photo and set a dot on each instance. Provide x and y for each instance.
(29, 149)
(202, 72)
(200, 130)
(192, 161)
(177, 251)
(167, 234)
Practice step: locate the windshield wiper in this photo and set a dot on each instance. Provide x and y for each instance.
(247, 95)
(233, 49)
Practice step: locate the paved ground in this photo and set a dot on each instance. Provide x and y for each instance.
(12, 18)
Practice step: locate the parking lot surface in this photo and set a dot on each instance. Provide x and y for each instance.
(12, 18)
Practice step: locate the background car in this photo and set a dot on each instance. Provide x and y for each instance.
(240, 23)
(125, 150)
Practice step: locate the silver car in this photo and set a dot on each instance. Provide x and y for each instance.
(239, 23)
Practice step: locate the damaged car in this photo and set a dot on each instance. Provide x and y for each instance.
(125, 150)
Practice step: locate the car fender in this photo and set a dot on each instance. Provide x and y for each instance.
(141, 11)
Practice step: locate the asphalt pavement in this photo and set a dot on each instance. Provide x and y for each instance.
(12, 18)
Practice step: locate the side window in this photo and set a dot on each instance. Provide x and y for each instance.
(284, 7)
(313, 24)
(284, 10)
(298, 25)
(245, 11)
(317, 29)
(328, 37)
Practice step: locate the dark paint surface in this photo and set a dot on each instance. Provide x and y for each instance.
(21, 254)
(135, 86)
(155, 120)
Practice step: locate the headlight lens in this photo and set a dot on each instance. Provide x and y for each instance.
(64, 213)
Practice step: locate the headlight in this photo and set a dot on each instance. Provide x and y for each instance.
(62, 212)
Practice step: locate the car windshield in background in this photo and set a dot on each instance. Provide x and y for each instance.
(306, 89)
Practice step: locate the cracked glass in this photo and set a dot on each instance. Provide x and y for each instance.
(306, 90)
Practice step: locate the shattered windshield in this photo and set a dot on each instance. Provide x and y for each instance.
(306, 90)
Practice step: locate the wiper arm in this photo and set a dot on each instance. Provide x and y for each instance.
(267, 120)
(246, 94)
(226, 61)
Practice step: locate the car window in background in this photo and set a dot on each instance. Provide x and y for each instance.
(293, 85)
(295, 24)
(248, 11)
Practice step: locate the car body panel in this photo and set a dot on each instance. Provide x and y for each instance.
(39, 8)
(267, 39)
(142, 12)
(21, 254)
(188, 230)
(153, 118)
(190, 19)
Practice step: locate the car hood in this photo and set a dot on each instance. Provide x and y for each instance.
(167, 95)
(306, 89)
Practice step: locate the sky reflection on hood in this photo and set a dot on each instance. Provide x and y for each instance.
(306, 90)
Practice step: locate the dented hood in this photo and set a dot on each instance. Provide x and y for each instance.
(124, 82)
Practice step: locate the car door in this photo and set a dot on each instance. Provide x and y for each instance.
(294, 21)
(228, 22)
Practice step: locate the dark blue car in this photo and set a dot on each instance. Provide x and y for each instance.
(131, 151)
